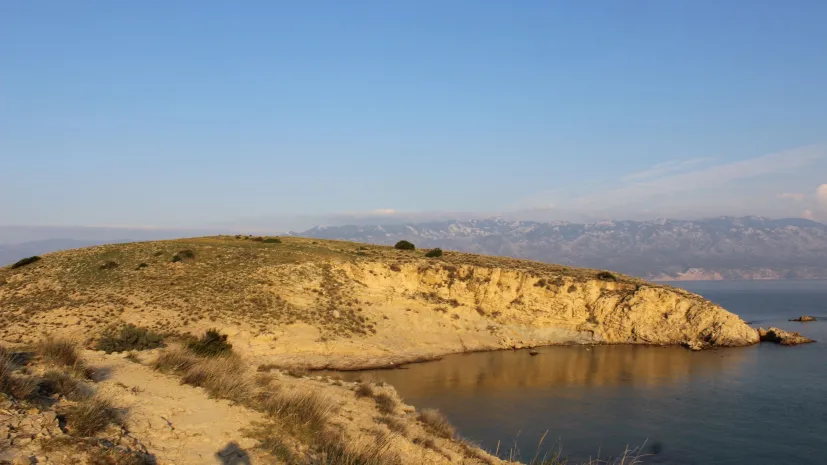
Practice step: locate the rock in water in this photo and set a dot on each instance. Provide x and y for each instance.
(785, 338)
(804, 319)
(694, 345)
(533, 353)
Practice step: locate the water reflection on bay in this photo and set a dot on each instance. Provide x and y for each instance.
(503, 372)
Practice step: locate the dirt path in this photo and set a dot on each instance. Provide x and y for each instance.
(180, 424)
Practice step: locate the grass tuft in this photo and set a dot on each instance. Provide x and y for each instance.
(220, 377)
(437, 423)
(385, 403)
(394, 424)
(61, 352)
(365, 390)
(63, 384)
(174, 361)
(303, 414)
(92, 416)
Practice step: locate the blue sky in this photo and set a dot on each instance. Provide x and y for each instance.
(185, 114)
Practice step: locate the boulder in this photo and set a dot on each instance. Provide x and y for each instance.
(785, 338)
(804, 319)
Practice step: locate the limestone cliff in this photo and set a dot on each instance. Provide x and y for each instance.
(344, 305)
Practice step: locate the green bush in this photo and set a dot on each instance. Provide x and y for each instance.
(606, 276)
(272, 240)
(433, 253)
(211, 344)
(26, 261)
(404, 245)
(142, 265)
(129, 337)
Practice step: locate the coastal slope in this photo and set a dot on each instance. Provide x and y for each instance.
(330, 304)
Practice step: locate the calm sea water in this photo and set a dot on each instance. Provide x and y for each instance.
(764, 404)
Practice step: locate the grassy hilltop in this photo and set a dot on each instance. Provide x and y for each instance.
(315, 303)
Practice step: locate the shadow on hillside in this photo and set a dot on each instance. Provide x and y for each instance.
(233, 454)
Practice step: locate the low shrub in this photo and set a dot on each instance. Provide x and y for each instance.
(25, 261)
(92, 416)
(606, 276)
(404, 245)
(129, 337)
(435, 421)
(433, 253)
(108, 265)
(272, 240)
(211, 344)
(141, 266)
(182, 255)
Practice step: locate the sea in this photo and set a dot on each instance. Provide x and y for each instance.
(764, 404)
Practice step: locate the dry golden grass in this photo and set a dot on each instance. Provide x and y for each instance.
(220, 279)
(365, 390)
(91, 416)
(63, 384)
(174, 360)
(385, 403)
(60, 352)
(394, 424)
(437, 423)
(222, 377)
(6, 368)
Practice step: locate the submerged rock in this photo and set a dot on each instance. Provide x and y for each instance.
(785, 338)
(804, 319)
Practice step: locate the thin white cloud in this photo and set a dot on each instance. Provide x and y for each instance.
(662, 169)
(808, 214)
(794, 196)
(706, 178)
(821, 195)
(382, 211)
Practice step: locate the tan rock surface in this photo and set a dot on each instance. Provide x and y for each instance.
(330, 304)
(785, 338)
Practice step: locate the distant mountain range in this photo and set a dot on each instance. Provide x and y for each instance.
(717, 248)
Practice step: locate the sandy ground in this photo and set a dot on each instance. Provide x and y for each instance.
(180, 424)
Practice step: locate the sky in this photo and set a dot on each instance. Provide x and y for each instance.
(282, 115)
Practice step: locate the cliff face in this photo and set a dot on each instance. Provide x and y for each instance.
(325, 304)
(427, 309)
